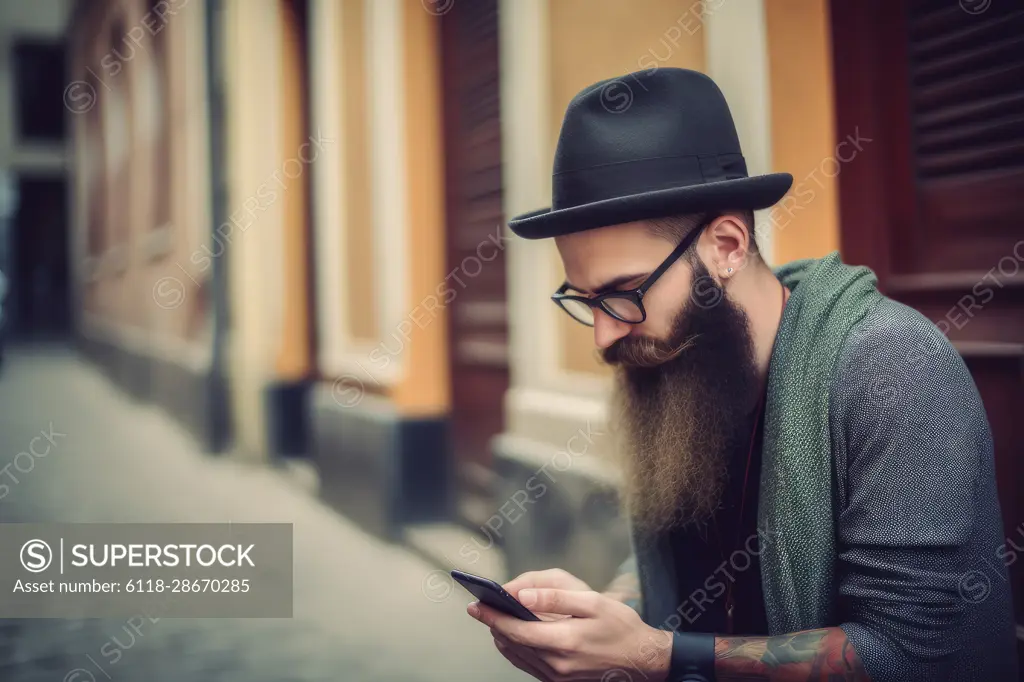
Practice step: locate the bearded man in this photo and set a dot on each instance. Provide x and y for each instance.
(809, 474)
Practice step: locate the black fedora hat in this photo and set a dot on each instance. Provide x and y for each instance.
(647, 145)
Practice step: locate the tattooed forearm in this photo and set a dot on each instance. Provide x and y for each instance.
(810, 656)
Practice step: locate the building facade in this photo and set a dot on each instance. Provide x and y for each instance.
(139, 116)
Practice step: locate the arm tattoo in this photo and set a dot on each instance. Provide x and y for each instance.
(824, 655)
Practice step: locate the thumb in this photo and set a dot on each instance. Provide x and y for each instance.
(566, 602)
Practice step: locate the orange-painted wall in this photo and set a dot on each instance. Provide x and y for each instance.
(293, 359)
(806, 223)
(360, 286)
(424, 388)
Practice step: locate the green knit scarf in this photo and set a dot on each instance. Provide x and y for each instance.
(795, 512)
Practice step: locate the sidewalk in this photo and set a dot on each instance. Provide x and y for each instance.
(364, 610)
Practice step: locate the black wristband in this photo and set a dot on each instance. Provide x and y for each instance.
(693, 657)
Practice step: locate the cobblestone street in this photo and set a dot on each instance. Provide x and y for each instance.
(361, 611)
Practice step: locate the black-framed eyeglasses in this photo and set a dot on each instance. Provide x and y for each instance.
(625, 306)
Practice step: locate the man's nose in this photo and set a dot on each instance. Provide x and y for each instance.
(608, 330)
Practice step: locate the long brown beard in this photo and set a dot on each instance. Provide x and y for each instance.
(684, 407)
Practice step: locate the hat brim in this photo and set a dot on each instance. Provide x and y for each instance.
(761, 191)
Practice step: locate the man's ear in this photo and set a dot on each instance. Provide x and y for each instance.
(728, 246)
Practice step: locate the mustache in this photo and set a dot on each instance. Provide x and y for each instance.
(644, 352)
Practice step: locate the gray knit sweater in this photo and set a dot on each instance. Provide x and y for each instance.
(923, 589)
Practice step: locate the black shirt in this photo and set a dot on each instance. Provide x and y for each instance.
(709, 563)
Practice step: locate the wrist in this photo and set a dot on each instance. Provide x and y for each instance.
(655, 658)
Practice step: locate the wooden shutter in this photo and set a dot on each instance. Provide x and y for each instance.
(966, 92)
(478, 317)
(935, 205)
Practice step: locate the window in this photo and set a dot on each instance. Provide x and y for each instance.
(39, 83)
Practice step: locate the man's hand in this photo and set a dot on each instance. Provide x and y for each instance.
(591, 636)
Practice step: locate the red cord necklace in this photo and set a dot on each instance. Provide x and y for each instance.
(729, 604)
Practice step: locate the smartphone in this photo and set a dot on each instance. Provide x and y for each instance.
(492, 594)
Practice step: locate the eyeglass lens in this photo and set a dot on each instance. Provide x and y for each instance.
(623, 308)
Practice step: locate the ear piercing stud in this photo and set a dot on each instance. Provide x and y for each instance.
(729, 270)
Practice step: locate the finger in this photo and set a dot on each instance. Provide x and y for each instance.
(543, 616)
(530, 579)
(552, 577)
(537, 634)
(498, 620)
(567, 602)
(513, 656)
(550, 616)
(529, 658)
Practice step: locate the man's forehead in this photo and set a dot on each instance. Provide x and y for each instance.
(619, 233)
(610, 255)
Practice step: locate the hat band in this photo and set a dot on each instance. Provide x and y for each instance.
(598, 183)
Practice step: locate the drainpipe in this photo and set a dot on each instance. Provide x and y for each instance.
(219, 426)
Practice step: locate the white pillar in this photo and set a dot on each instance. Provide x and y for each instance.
(736, 51)
(253, 56)
(389, 172)
(544, 404)
(330, 187)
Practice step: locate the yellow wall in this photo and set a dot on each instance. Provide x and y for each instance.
(293, 360)
(359, 279)
(596, 39)
(424, 388)
(805, 224)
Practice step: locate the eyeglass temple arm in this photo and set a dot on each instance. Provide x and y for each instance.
(672, 258)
